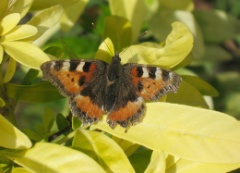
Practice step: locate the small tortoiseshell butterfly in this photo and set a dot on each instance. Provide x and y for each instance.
(95, 87)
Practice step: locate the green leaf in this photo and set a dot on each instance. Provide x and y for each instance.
(61, 121)
(102, 149)
(76, 123)
(187, 94)
(46, 157)
(118, 29)
(134, 11)
(12, 137)
(11, 68)
(140, 160)
(55, 51)
(26, 53)
(177, 46)
(214, 28)
(157, 163)
(48, 120)
(30, 76)
(2, 102)
(191, 133)
(43, 92)
(203, 87)
(32, 135)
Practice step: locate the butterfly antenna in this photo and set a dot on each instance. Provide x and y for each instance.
(68, 49)
(102, 38)
(140, 36)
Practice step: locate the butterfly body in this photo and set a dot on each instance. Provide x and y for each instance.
(95, 88)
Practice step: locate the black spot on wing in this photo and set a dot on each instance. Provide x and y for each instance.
(58, 65)
(73, 65)
(152, 71)
(86, 66)
(139, 71)
(81, 81)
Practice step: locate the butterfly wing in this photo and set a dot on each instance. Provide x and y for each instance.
(128, 107)
(77, 79)
(151, 82)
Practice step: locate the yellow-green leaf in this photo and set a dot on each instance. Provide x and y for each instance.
(134, 11)
(191, 133)
(21, 7)
(3, 7)
(20, 170)
(103, 149)
(46, 157)
(2, 102)
(1, 53)
(12, 137)
(45, 20)
(105, 51)
(187, 5)
(186, 166)
(11, 68)
(26, 53)
(72, 10)
(20, 32)
(118, 29)
(157, 163)
(177, 46)
(9, 22)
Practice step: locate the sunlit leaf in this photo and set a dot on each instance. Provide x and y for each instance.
(20, 170)
(134, 11)
(1, 53)
(21, 7)
(157, 163)
(72, 10)
(26, 53)
(43, 92)
(118, 29)
(186, 166)
(103, 149)
(105, 51)
(11, 68)
(20, 32)
(177, 46)
(46, 157)
(188, 132)
(9, 22)
(12, 137)
(46, 19)
(3, 7)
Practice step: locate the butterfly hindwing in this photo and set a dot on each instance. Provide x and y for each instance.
(77, 79)
(152, 82)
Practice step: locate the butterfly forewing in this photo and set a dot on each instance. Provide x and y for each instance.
(151, 82)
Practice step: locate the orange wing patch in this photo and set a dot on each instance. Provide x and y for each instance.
(129, 114)
(85, 109)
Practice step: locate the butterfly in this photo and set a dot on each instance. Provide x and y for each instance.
(95, 88)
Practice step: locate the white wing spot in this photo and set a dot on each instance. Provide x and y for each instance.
(145, 72)
(66, 65)
(158, 74)
(80, 66)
